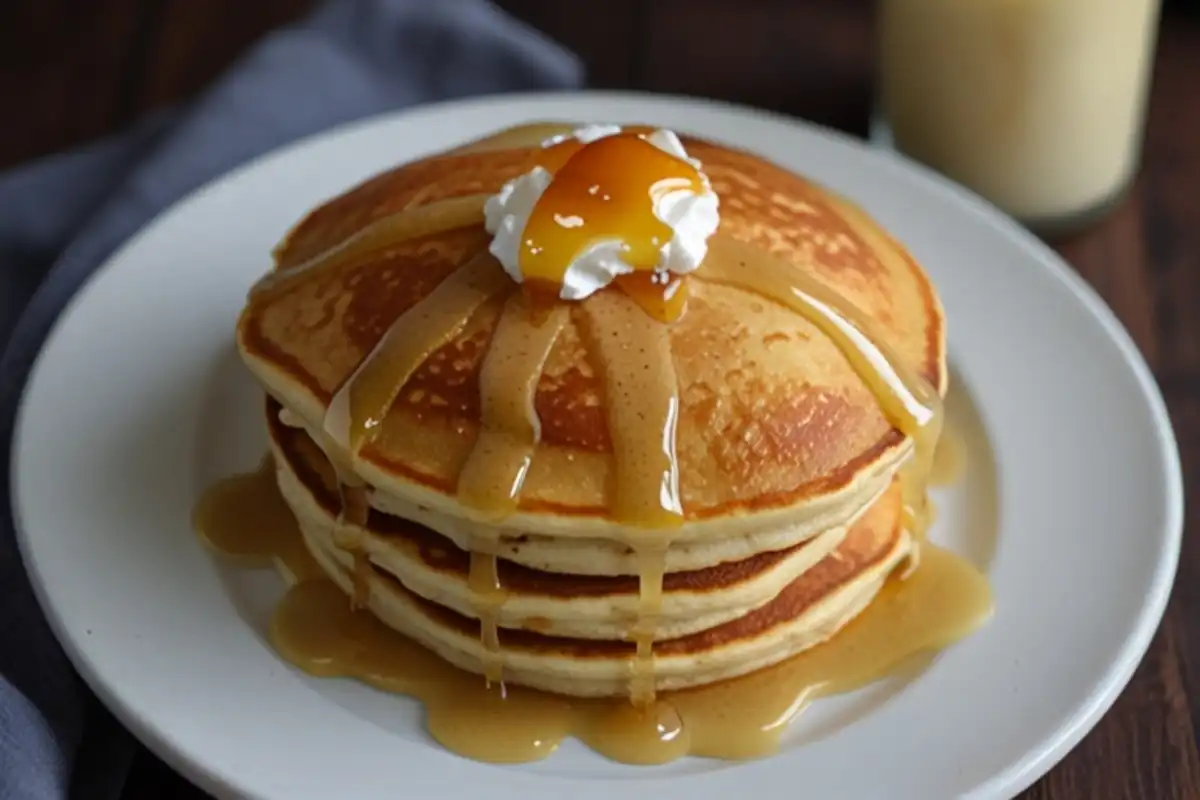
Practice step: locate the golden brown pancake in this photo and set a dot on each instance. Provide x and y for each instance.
(777, 436)
(807, 612)
(433, 567)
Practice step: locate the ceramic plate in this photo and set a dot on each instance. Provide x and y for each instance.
(1071, 501)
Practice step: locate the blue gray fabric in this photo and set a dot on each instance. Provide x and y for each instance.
(62, 216)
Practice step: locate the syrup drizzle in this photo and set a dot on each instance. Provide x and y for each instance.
(907, 401)
(664, 297)
(492, 477)
(949, 459)
(361, 404)
(356, 411)
(388, 231)
(607, 190)
(314, 628)
(642, 398)
(487, 598)
(522, 136)
(349, 533)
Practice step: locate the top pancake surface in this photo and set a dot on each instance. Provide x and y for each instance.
(771, 415)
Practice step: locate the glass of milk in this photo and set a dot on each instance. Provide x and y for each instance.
(1038, 105)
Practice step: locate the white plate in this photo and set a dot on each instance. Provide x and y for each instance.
(1073, 500)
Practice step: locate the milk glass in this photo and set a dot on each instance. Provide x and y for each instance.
(1038, 105)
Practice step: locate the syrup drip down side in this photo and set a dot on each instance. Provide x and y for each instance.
(642, 394)
(316, 629)
(492, 477)
(908, 402)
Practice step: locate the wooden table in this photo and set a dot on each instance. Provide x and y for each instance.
(71, 71)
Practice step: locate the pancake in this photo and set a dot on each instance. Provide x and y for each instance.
(777, 438)
(665, 483)
(575, 556)
(804, 614)
(665, 418)
(561, 604)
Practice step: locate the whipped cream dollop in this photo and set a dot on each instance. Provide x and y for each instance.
(693, 217)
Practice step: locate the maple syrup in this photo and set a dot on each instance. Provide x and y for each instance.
(602, 190)
(487, 597)
(317, 630)
(607, 190)
(245, 520)
(495, 470)
(492, 477)
(949, 459)
(642, 398)
(349, 534)
(906, 399)
(360, 405)
(409, 223)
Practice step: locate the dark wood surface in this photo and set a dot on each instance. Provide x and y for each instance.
(70, 71)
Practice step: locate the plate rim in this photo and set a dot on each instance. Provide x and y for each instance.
(1014, 779)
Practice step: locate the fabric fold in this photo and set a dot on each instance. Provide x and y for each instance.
(64, 215)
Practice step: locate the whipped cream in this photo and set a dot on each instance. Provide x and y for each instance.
(692, 217)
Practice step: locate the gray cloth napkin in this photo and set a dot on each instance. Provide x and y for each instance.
(61, 217)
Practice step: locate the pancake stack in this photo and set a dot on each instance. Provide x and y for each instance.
(792, 503)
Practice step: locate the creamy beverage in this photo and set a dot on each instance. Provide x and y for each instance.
(1038, 105)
